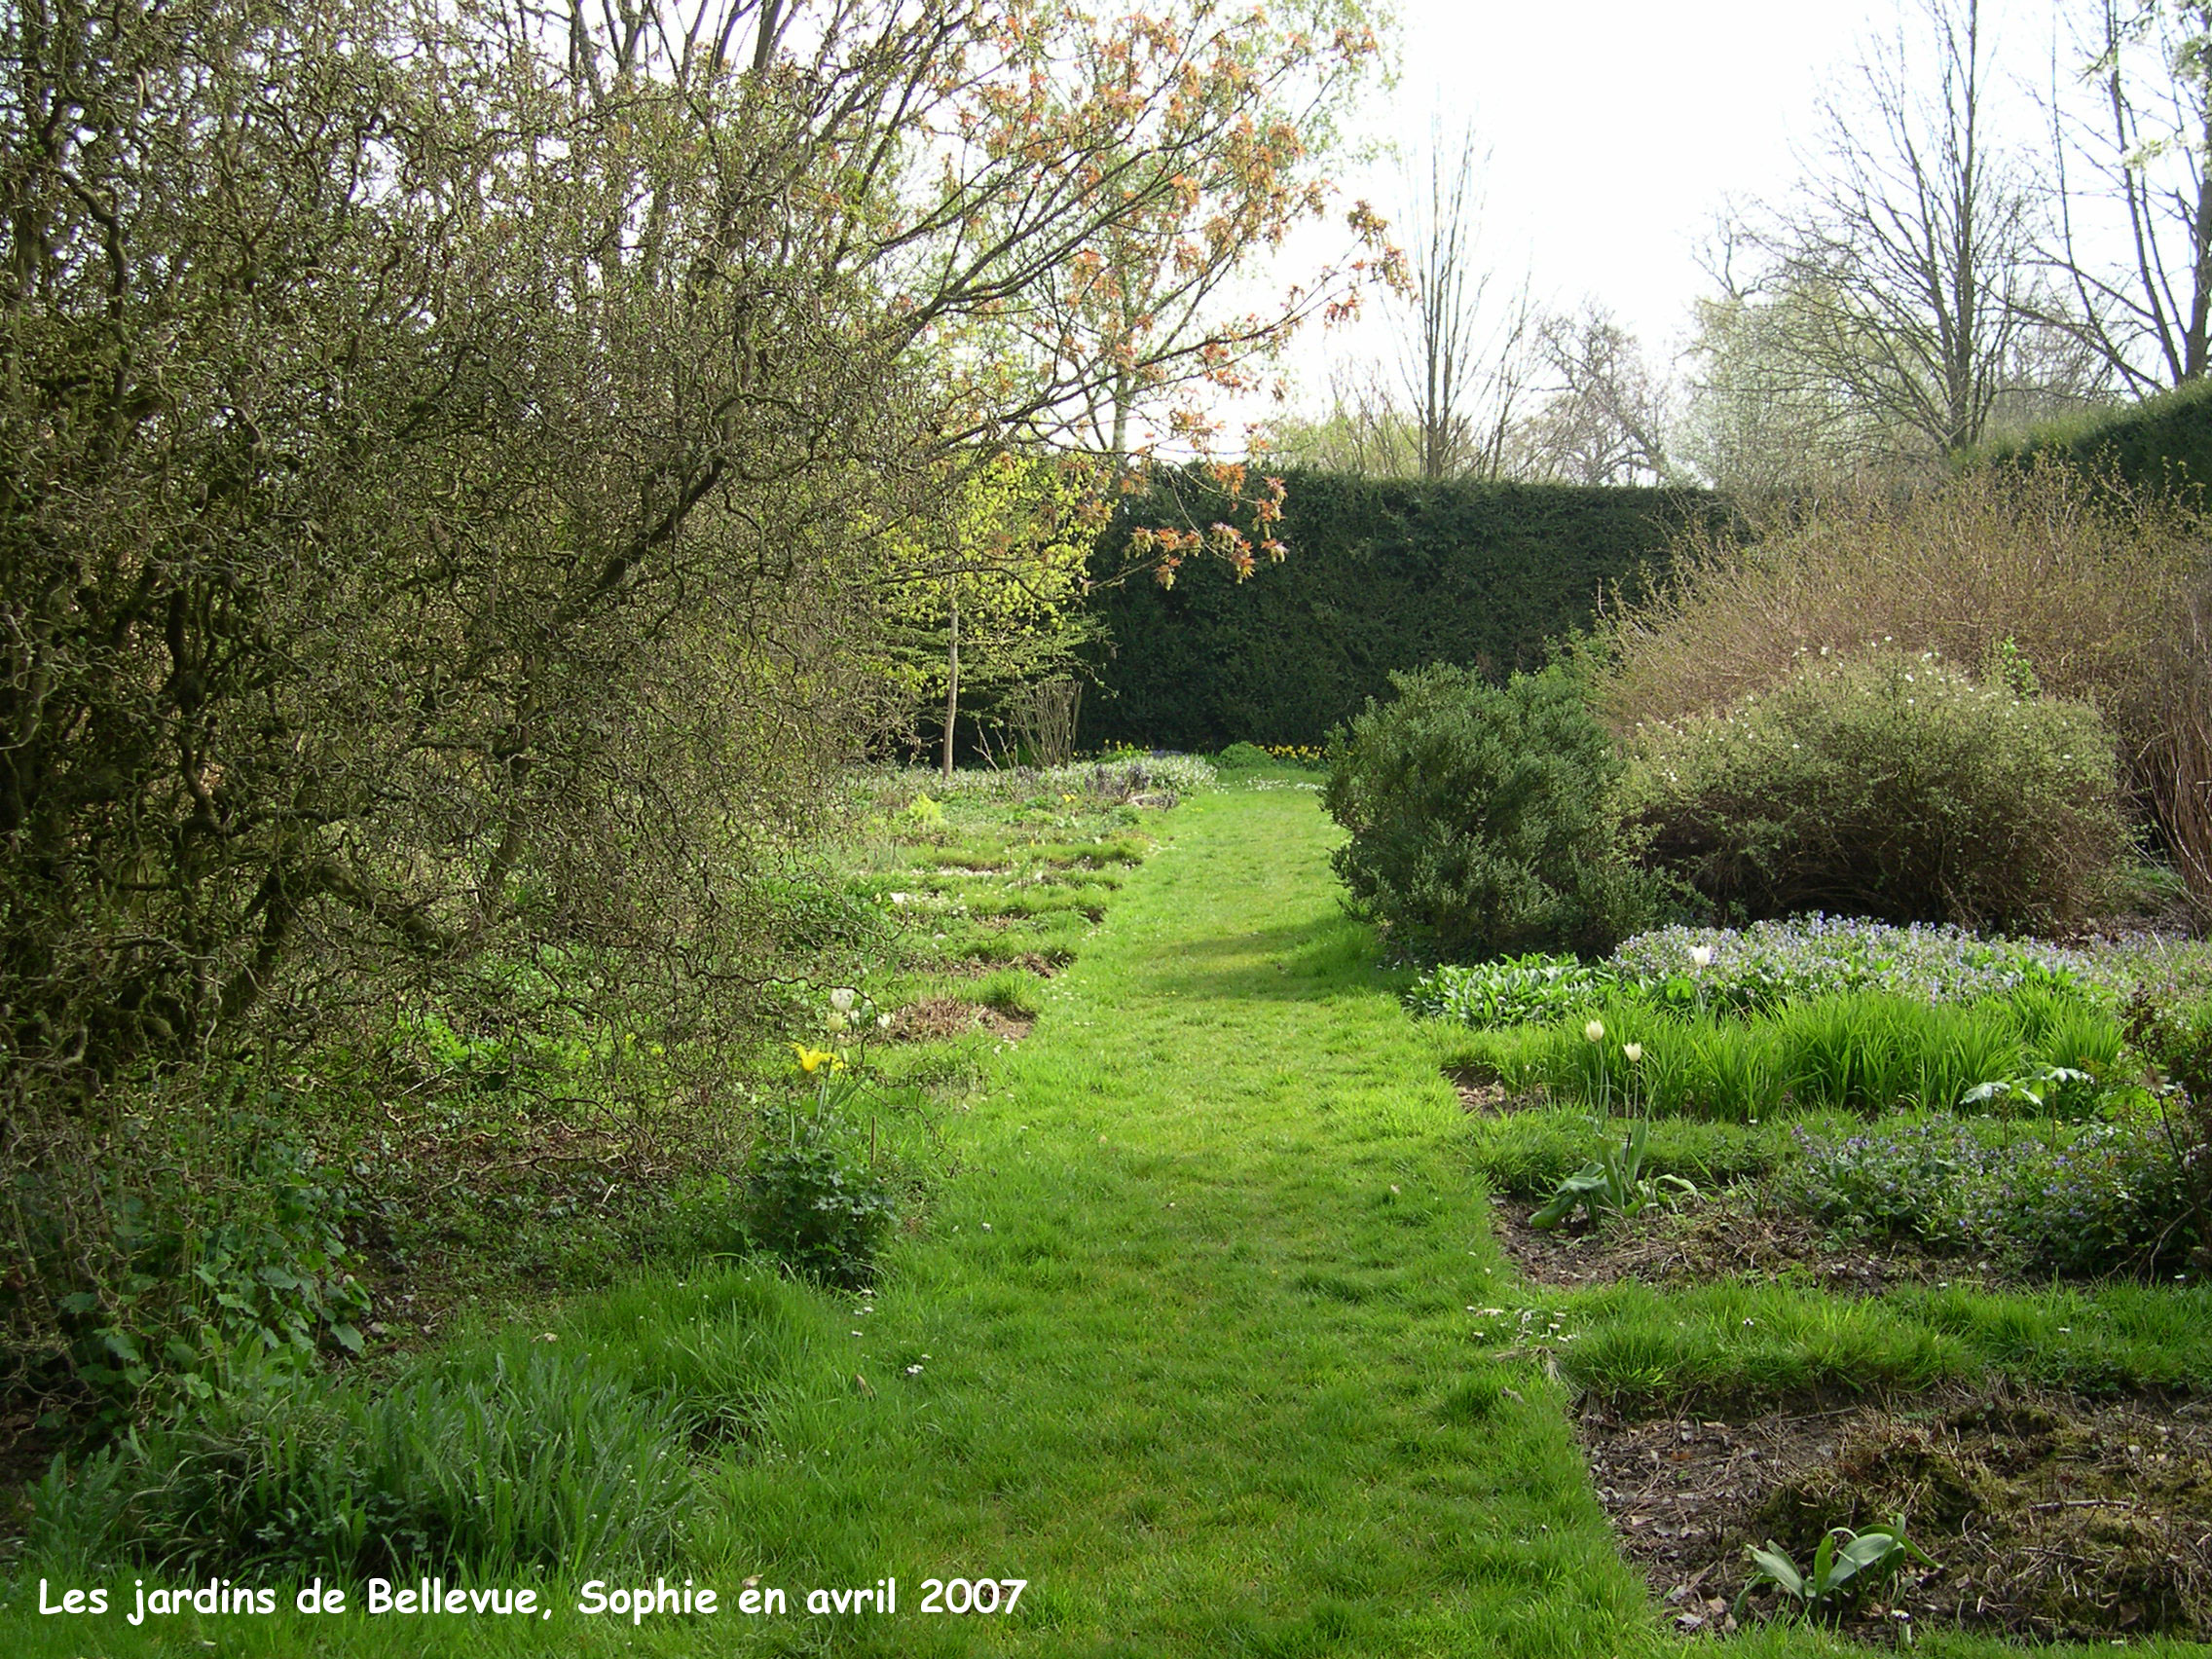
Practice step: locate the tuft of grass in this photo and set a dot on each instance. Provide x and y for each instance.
(1528, 1154)
(1735, 1346)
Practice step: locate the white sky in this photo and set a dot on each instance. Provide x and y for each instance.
(1618, 128)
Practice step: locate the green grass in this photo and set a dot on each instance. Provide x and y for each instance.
(1189, 1342)
(1862, 1051)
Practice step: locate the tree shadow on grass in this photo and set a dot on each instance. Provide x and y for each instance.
(1306, 962)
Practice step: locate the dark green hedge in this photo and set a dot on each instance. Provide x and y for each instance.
(1380, 575)
(2163, 441)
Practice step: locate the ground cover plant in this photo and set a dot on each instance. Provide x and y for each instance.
(1768, 963)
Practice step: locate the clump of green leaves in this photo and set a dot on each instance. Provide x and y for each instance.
(1243, 757)
(1478, 819)
(2177, 1039)
(1613, 1184)
(208, 1270)
(818, 1204)
(812, 1196)
(1844, 1567)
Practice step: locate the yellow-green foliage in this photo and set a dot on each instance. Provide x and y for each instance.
(1011, 558)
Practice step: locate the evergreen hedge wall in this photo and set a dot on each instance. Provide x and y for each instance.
(2166, 440)
(1380, 575)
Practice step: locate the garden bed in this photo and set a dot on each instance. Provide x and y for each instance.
(2049, 1516)
(937, 1017)
(1724, 1238)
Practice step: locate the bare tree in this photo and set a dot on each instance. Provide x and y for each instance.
(1606, 417)
(2132, 134)
(1446, 403)
(1462, 362)
(1909, 255)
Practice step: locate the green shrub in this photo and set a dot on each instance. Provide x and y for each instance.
(2175, 1035)
(1889, 786)
(207, 1246)
(1478, 820)
(1243, 757)
(819, 1205)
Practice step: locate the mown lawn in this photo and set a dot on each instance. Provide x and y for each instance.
(1187, 1343)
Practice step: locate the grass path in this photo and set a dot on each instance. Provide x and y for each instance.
(1196, 1355)
(1201, 1365)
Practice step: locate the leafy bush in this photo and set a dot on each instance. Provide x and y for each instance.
(2176, 1037)
(2092, 582)
(1477, 817)
(2076, 1198)
(2078, 577)
(207, 1260)
(1889, 786)
(1243, 758)
(819, 1205)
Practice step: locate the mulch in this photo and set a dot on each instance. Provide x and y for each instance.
(2050, 1517)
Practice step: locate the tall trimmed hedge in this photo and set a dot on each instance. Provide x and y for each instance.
(1381, 576)
(2163, 441)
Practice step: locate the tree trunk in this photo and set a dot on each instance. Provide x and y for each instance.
(951, 685)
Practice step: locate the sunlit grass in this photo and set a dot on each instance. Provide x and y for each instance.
(1194, 1338)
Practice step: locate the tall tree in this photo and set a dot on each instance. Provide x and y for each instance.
(453, 473)
(1445, 399)
(1156, 304)
(1908, 252)
(1605, 418)
(1462, 351)
(2131, 133)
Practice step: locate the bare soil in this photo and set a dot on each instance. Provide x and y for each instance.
(935, 1018)
(2050, 1517)
(1483, 1096)
(1029, 961)
(1721, 1235)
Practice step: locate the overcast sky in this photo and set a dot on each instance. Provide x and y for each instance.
(1620, 127)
